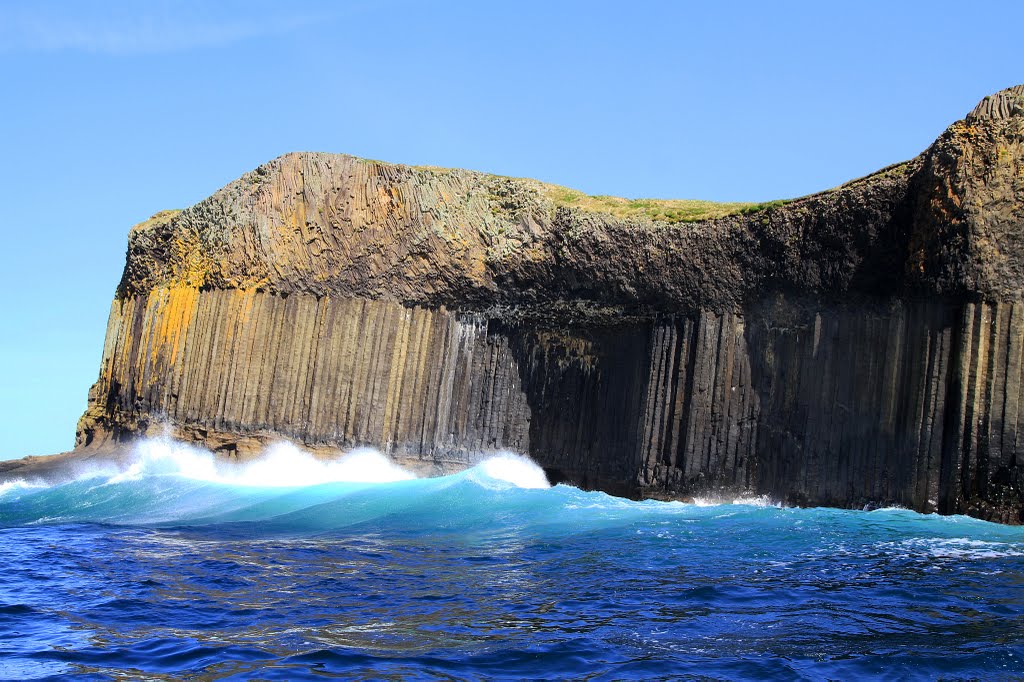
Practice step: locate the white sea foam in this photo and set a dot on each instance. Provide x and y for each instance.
(957, 548)
(17, 484)
(282, 464)
(748, 500)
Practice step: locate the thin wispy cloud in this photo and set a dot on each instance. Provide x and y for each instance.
(125, 28)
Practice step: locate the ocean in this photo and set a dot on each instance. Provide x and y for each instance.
(288, 568)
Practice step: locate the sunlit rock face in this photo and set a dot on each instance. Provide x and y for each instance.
(859, 346)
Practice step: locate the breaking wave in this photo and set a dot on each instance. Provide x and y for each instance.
(168, 482)
(288, 490)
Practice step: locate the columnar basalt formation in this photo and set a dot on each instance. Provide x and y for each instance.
(858, 346)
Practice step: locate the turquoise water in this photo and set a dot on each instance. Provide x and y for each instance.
(293, 569)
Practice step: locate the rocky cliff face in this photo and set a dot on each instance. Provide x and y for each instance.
(861, 345)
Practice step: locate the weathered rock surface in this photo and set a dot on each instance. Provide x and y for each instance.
(858, 346)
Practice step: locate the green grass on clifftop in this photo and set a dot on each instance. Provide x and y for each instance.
(665, 210)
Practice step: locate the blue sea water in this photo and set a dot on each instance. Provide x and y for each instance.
(180, 567)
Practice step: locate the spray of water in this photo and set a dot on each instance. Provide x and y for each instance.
(748, 500)
(282, 464)
(510, 467)
(20, 484)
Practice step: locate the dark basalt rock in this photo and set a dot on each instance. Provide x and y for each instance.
(857, 347)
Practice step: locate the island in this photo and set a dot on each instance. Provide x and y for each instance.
(857, 347)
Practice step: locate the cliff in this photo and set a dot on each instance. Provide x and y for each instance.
(858, 346)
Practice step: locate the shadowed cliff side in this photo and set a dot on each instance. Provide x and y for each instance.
(857, 346)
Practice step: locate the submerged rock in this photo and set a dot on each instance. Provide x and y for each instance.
(864, 343)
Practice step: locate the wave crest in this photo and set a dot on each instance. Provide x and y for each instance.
(282, 465)
(163, 481)
(511, 468)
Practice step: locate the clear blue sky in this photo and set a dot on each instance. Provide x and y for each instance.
(112, 111)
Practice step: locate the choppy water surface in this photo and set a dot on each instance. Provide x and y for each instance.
(177, 568)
